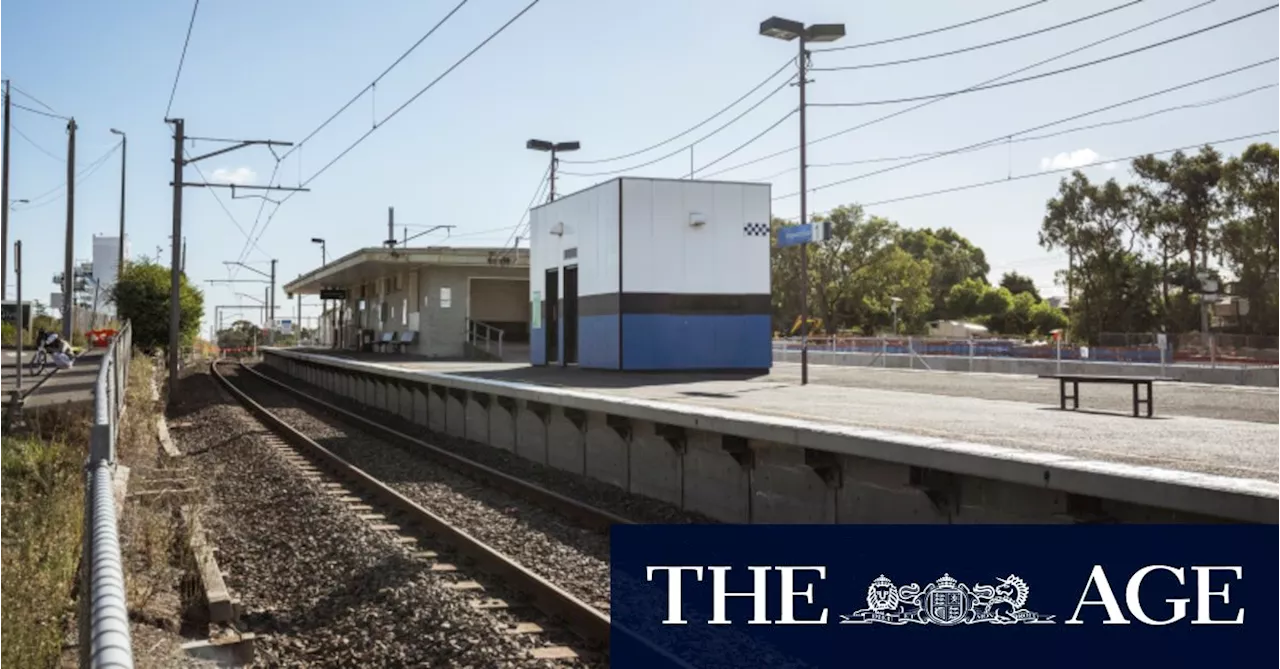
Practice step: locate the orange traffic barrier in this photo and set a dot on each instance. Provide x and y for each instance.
(98, 338)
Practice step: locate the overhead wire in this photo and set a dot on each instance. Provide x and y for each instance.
(81, 176)
(1032, 138)
(705, 121)
(1042, 75)
(33, 143)
(399, 109)
(515, 232)
(298, 145)
(223, 205)
(749, 142)
(1097, 163)
(37, 111)
(907, 110)
(31, 97)
(1003, 136)
(182, 59)
(985, 45)
(419, 94)
(695, 142)
(376, 79)
(244, 251)
(936, 30)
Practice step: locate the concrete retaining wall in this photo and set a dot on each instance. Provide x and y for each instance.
(1225, 375)
(745, 468)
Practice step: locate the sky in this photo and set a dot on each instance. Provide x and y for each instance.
(615, 76)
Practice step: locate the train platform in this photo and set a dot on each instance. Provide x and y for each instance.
(1202, 429)
(68, 386)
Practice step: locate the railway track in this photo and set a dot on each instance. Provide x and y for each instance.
(392, 509)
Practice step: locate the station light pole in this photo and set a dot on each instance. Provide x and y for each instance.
(553, 148)
(324, 304)
(788, 30)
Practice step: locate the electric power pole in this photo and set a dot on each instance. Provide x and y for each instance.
(4, 214)
(175, 308)
(178, 263)
(69, 274)
(391, 227)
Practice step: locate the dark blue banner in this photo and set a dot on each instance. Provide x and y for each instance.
(712, 596)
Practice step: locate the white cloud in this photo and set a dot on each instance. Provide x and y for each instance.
(239, 176)
(1068, 160)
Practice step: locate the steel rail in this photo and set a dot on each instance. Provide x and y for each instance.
(589, 516)
(584, 620)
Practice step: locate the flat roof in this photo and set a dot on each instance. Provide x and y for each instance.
(697, 181)
(371, 263)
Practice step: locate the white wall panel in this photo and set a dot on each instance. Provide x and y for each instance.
(664, 254)
(590, 219)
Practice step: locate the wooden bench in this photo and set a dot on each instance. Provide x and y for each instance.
(406, 339)
(385, 342)
(1076, 379)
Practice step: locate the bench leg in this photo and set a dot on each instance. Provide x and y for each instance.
(1062, 394)
(1136, 401)
(1151, 400)
(1075, 394)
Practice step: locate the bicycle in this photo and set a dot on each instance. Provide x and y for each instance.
(39, 361)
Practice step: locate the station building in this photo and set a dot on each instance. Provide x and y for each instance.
(652, 275)
(440, 302)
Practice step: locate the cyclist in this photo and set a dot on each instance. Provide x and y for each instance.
(54, 347)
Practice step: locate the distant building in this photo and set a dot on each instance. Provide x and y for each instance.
(105, 266)
(957, 330)
(106, 257)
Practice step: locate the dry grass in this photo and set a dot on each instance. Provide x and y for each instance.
(43, 512)
(152, 531)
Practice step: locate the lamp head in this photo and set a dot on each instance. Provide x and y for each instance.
(825, 32)
(539, 145)
(780, 28)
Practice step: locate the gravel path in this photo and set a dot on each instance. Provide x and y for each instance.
(572, 557)
(318, 586)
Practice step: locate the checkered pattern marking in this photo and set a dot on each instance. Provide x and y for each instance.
(756, 230)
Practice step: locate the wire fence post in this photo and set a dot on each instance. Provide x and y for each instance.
(970, 355)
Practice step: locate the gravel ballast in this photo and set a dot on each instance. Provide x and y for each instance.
(599, 494)
(319, 587)
(543, 541)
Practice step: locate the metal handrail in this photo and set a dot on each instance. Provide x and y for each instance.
(104, 612)
(473, 335)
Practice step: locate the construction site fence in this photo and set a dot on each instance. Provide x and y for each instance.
(1212, 349)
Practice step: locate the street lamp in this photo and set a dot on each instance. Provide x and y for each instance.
(324, 304)
(553, 148)
(788, 30)
(323, 253)
(124, 154)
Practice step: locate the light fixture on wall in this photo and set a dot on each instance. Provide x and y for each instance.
(697, 220)
(558, 229)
